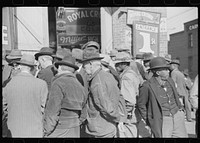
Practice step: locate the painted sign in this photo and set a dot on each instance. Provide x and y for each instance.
(6, 30)
(78, 25)
(142, 16)
(192, 27)
(146, 38)
(64, 39)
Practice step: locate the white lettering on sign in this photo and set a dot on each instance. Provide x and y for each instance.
(146, 43)
(147, 28)
(193, 27)
(5, 35)
(82, 14)
(72, 39)
(138, 13)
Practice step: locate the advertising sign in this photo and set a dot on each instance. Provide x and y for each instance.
(6, 30)
(78, 25)
(142, 16)
(146, 38)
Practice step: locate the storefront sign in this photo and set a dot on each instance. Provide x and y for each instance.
(192, 27)
(6, 30)
(64, 39)
(78, 25)
(142, 16)
(145, 38)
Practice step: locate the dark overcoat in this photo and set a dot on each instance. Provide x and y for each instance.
(149, 105)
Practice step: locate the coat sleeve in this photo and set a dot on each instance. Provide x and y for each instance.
(52, 109)
(103, 102)
(143, 100)
(128, 90)
(44, 94)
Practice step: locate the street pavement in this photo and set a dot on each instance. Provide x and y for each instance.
(190, 126)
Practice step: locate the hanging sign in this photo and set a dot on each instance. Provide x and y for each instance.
(146, 38)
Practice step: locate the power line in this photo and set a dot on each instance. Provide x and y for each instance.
(180, 13)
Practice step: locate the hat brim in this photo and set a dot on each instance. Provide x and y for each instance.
(25, 63)
(92, 59)
(13, 57)
(174, 63)
(67, 64)
(42, 53)
(57, 57)
(124, 61)
(159, 67)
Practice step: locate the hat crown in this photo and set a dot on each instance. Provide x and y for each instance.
(89, 55)
(91, 43)
(123, 56)
(77, 53)
(69, 59)
(61, 53)
(147, 56)
(46, 49)
(175, 61)
(15, 52)
(27, 59)
(158, 62)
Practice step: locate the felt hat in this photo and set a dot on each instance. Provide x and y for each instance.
(106, 60)
(91, 44)
(44, 51)
(113, 53)
(168, 58)
(67, 61)
(139, 56)
(14, 54)
(27, 59)
(77, 54)
(175, 61)
(122, 57)
(157, 63)
(61, 53)
(147, 57)
(91, 56)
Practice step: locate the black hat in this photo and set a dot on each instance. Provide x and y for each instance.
(157, 63)
(68, 61)
(44, 51)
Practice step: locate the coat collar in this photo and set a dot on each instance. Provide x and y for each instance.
(24, 74)
(63, 75)
(127, 69)
(95, 73)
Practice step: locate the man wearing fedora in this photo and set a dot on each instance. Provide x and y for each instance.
(67, 99)
(45, 59)
(11, 69)
(24, 99)
(181, 85)
(103, 100)
(146, 59)
(159, 105)
(129, 86)
(91, 46)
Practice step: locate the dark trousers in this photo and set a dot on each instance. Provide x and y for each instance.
(196, 126)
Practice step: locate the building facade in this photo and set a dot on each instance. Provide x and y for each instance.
(139, 29)
(184, 46)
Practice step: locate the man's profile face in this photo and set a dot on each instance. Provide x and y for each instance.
(163, 73)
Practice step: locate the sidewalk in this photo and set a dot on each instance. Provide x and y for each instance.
(190, 126)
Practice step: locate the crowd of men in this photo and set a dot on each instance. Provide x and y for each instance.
(82, 93)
